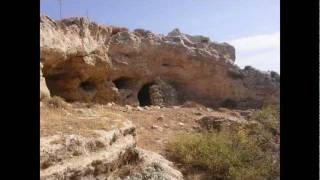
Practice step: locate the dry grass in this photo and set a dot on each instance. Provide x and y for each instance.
(55, 102)
(237, 152)
(69, 120)
(154, 139)
(57, 117)
(224, 156)
(269, 116)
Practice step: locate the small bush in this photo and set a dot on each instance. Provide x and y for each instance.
(230, 154)
(270, 117)
(56, 102)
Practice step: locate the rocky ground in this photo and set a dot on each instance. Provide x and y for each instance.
(127, 141)
(154, 124)
(80, 142)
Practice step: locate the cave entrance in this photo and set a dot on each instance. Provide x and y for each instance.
(122, 83)
(88, 86)
(144, 95)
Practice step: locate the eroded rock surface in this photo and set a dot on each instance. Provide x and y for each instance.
(85, 61)
(64, 157)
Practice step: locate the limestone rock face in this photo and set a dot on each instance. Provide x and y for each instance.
(44, 91)
(84, 61)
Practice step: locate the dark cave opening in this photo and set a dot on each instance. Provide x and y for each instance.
(144, 95)
(52, 82)
(122, 83)
(229, 103)
(87, 86)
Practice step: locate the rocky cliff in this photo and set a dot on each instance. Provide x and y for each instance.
(85, 61)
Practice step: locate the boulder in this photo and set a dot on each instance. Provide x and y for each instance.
(210, 123)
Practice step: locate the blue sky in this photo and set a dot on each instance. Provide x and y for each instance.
(252, 26)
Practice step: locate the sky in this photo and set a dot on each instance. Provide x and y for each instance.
(251, 26)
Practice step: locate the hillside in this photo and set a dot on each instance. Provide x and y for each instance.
(112, 99)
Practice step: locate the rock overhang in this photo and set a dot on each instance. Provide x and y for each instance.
(196, 67)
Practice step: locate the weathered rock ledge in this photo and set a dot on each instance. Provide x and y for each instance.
(64, 157)
(85, 61)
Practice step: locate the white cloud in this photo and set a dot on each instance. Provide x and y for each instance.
(266, 60)
(261, 51)
(259, 42)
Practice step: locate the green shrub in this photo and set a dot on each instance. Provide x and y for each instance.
(270, 117)
(229, 154)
